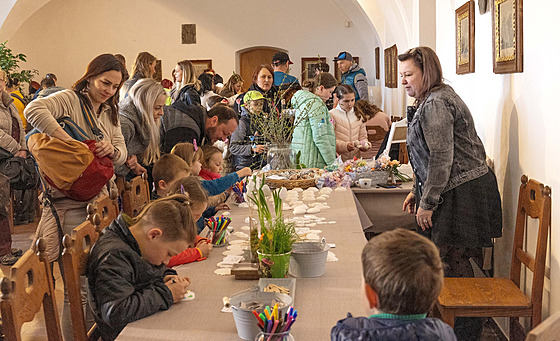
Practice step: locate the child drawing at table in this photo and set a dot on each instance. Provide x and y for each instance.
(403, 275)
(126, 271)
(212, 163)
(199, 201)
(216, 188)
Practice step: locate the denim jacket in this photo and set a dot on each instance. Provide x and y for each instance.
(443, 146)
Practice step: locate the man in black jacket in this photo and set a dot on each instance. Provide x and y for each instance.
(186, 123)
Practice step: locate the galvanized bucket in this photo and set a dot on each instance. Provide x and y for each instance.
(245, 321)
(309, 259)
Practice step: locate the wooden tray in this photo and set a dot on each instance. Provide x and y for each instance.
(245, 271)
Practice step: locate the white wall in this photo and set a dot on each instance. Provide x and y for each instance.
(516, 118)
(63, 36)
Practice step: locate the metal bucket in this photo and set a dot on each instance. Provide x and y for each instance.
(245, 321)
(309, 259)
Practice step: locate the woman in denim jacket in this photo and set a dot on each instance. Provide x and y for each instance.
(455, 197)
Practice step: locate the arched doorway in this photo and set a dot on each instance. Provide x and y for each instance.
(251, 57)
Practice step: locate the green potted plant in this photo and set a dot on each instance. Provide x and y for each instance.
(274, 240)
(9, 62)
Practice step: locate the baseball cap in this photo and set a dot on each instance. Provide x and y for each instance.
(344, 56)
(252, 96)
(281, 58)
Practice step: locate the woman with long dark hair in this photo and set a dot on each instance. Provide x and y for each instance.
(98, 90)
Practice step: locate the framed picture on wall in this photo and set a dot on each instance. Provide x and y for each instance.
(337, 73)
(391, 79)
(200, 65)
(507, 36)
(377, 71)
(309, 66)
(464, 38)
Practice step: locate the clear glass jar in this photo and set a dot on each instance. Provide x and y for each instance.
(285, 336)
(279, 157)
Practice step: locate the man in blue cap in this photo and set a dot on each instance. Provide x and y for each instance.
(352, 74)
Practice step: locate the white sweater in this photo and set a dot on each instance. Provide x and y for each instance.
(347, 128)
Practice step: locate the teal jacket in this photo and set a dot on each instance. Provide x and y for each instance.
(314, 134)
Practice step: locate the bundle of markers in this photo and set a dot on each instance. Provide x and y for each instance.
(271, 322)
(218, 228)
(239, 188)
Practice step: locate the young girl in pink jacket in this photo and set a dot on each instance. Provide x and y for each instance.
(350, 131)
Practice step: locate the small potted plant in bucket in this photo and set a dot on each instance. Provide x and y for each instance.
(276, 237)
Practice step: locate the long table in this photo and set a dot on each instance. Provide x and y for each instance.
(320, 302)
(383, 207)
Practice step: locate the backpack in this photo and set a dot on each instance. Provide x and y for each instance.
(72, 166)
(20, 172)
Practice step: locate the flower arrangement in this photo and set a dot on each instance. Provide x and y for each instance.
(342, 174)
(276, 236)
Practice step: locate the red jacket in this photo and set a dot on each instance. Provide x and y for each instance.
(189, 255)
(208, 175)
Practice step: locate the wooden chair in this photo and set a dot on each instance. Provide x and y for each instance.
(136, 195)
(375, 133)
(28, 287)
(502, 297)
(77, 247)
(106, 207)
(403, 154)
(549, 330)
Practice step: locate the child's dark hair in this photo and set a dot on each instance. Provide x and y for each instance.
(214, 100)
(187, 152)
(167, 166)
(364, 110)
(208, 152)
(404, 268)
(190, 186)
(172, 215)
(324, 78)
(343, 89)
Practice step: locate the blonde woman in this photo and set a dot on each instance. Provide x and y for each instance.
(144, 67)
(187, 87)
(232, 88)
(140, 115)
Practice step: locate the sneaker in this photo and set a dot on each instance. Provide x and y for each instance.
(8, 259)
(17, 252)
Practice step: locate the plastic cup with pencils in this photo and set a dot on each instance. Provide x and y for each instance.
(275, 326)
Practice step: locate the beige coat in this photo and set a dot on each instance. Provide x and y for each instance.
(8, 111)
(42, 113)
(347, 128)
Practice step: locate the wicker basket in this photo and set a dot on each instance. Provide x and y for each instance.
(289, 184)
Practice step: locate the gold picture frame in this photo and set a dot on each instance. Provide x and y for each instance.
(507, 36)
(200, 65)
(464, 34)
(309, 66)
(377, 66)
(391, 79)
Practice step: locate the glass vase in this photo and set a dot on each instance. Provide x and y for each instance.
(274, 266)
(279, 157)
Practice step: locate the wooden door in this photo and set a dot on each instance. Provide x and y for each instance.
(250, 59)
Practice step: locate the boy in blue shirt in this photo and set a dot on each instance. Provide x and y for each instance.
(403, 275)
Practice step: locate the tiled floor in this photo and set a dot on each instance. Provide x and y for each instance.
(35, 330)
